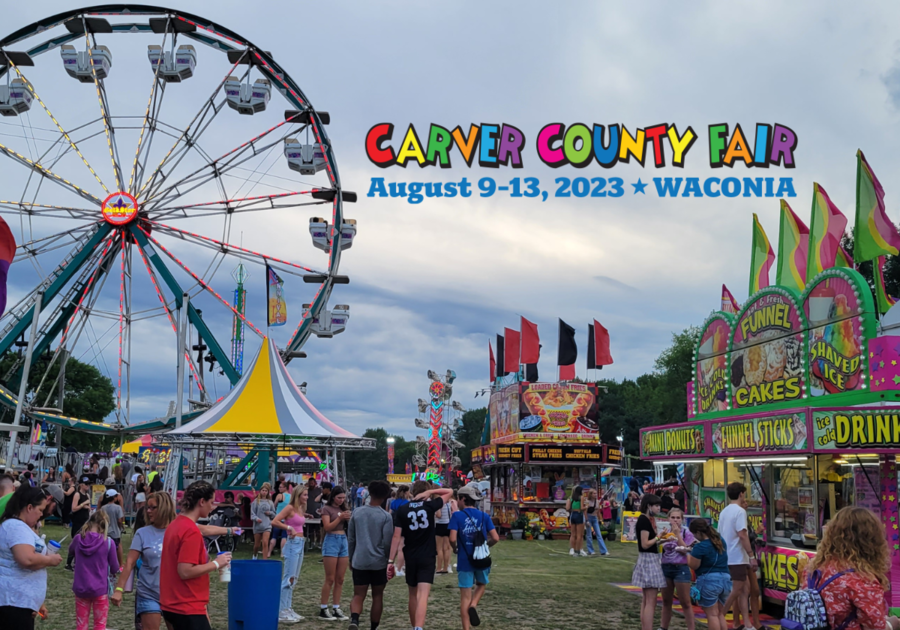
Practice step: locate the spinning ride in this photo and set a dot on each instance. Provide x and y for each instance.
(126, 206)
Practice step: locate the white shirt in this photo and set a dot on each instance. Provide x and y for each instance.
(733, 520)
(22, 588)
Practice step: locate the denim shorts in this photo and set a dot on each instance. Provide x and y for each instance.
(677, 572)
(714, 587)
(146, 605)
(577, 518)
(335, 546)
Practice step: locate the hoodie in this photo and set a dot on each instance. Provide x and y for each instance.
(95, 561)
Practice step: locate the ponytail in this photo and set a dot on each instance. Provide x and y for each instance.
(197, 491)
(701, 526)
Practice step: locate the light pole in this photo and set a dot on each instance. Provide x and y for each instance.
(621, 440)
(390, 454)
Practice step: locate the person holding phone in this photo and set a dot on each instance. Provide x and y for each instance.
(335, 553)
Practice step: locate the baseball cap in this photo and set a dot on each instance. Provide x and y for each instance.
(471, 490)
(86, 480)
(111, 492)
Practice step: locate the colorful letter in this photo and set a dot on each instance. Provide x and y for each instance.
(554, 158)
(439, 140)
(717, 144)
(784, 141)
(378, 134)
(411, 148)
(511, 142)
(737, 148)
(487, 156)
(579, 158)
(465, 145)
(607, 155)
(632, 146)
(655, 134)
(761, 148)
(680, 146)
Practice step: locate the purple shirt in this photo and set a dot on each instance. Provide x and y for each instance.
(670, 556)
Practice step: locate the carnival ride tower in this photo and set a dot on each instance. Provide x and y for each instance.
(440, 416)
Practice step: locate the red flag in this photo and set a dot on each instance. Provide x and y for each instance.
(493, 363)
(531, 343)
(511, 350)
(567, 372)
(601, 345)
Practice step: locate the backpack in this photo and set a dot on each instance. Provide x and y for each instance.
(480, 558)
(804, 609)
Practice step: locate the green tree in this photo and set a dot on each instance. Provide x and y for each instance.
(88, 395)
(676, 368)
(470, 434)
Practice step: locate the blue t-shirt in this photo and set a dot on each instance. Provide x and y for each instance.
(711, 561)
(396, 504)
(466, 523)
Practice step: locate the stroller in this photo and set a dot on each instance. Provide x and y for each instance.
(223, 517)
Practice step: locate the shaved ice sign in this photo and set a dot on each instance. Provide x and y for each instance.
(836, 335)
(767, 365)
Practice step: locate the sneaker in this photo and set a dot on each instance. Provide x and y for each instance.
(584, 554)
(450, 569)
(296, 616)
(325, 615)
(256, 556)
(572, 552)
(285, 616)
(69, 567)
(605, 554)
(474, 619)
(353, 626)
(337, 613)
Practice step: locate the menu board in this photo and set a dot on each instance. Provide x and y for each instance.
(875, 428)
(767, 362)
(510, 453)
(686, 439)
(768, 434)
(565, 453)
(613, 455)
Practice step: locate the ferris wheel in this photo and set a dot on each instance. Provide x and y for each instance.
(149, 154)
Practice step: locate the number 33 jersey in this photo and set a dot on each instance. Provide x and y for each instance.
(416, 520)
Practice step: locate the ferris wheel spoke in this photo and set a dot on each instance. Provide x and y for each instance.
(46, 244)
(54, 212)
(221, 165)
(235, 250)
(199, 281)
(152, 104)
(104, 109)
(41, 170)
(178, 150)
(259, 202)
(30, 86)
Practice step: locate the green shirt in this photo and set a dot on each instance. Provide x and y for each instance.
(3, 501)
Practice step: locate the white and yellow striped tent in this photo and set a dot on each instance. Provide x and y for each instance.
(264, 402)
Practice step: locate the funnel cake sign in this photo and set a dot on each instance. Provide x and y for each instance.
(767, 351)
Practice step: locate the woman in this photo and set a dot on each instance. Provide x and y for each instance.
(246, 521)
(576, 508)
(50, 476)
(185, 567)
(710, 560)
(103, 475)
(593, 524)
(442, 538)
(632, 502)
(648, 575)
(279, 536)
(140, 492)
(262, 512)
(81, 512)
(854, 541)
(676, 571)
(23, 565)
(68, 487)
(335, 553)
(291, 519)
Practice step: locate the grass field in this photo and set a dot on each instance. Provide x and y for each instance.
(534, 585)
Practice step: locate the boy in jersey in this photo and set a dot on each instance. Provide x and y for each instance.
(414, 522)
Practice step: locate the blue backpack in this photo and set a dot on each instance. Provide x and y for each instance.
(805, 608)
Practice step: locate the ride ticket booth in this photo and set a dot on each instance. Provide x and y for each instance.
(798, 398)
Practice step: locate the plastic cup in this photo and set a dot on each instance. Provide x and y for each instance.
(225, 573)
(53, 546)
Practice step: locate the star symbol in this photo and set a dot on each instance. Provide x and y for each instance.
(639, 187)
(897, 380)
(881, 364)
(893, 361)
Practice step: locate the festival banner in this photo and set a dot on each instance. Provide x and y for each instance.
(712, 502)
(711, 374)
(836, 307)
(685, 439)
(768, 434)
(767, 363)
(871, 429)
(545, 412)
(275, 298)
(629, 526)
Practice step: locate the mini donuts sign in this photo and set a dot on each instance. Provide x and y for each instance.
(767, 361)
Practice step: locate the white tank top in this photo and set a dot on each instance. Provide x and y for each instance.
(444, 517)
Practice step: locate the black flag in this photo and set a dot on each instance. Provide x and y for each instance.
(531, 372)
(591, 358)
(500, 370)
(568, 350)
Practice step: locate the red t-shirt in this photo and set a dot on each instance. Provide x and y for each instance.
(183, 543)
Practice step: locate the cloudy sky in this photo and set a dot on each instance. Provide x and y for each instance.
(432, 283)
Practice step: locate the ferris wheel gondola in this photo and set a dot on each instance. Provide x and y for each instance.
(116, 198)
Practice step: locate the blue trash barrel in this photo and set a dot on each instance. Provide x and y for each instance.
(254, 594)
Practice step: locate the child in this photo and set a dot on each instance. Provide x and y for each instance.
(95, 561)
(710, 560)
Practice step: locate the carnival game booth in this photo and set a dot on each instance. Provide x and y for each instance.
(797, 397)
(544, 440)
(265, 415)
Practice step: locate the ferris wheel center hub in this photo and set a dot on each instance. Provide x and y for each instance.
(119, 208)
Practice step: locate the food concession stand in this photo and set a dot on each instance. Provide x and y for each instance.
(544, 441)
(798, 398)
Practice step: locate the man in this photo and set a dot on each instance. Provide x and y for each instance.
(7, 487)
(414, 523)
(741, 557)
(463, 527)
(152, 474)
(369, 537)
